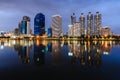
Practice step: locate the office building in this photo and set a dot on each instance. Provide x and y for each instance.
(56, 25)
(39, 24)
(25, 25)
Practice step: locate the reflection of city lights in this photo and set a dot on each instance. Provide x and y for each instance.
(89, 57)
(43, 51)
(1, 47)
(106, 45)
(89, 43)
(14, 42)
(38, 59)
(98, 50)
(62, 45)
(46, 48)
(44, 42)
(37, 42)
(55, 50)
(105, 53)
(70, 54)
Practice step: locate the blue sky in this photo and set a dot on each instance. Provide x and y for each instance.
(11, 12)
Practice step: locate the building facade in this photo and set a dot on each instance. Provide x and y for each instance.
(82, 25)
(105, 31)
(90, 24)
(73, 19)
(70, 30)
(39, 24)
(49, 32)
(25, 25)
(76, 29)
(97, 24)
(56, 25)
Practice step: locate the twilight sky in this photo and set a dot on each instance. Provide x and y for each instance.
(12, 11)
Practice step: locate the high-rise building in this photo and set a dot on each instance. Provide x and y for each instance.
(39, 24)
(76, 29)
(89, 24)
(97, 24)
(73, 18)
(56, 25)
(82, 25)
(49, 32)
(25, 25)
(70, 30)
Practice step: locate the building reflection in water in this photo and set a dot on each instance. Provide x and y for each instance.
(85, 53)
(56, 52)
(88, 53)
(23, 47)
(39, 53)
(49, 47)
(2, 45)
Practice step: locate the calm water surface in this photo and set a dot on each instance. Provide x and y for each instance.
(23, 59)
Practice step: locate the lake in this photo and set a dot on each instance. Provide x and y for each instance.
(76, 60)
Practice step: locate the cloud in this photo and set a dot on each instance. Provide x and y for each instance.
(11, 12)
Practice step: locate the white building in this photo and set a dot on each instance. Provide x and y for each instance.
(105, 31)
(76, 29)
(56, 25)
(70, 30)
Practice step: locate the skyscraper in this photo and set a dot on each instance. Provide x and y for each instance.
(73, 18)
(90, 24)
(97, 24)
(39, 24)
(25, 25)
(56, 25)
(82, 25)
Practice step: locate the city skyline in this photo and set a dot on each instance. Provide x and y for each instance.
(12, 12)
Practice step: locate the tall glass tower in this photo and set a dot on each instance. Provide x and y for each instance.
(39, 24)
